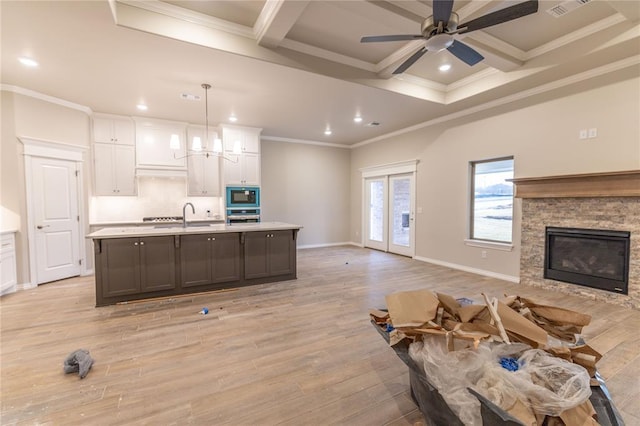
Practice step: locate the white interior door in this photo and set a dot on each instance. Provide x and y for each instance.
(389, 213)
(54, 195)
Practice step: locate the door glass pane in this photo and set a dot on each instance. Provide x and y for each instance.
(401, 199)
(376, 210)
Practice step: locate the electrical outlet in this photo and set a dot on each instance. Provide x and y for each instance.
(483, 254)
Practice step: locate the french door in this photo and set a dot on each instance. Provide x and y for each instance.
(389, 213)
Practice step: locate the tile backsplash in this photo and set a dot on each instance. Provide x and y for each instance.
(157, 196)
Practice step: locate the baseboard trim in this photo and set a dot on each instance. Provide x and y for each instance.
(464, 268)
(308, 246)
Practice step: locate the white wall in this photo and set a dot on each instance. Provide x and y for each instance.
(543, 138)
(26, 116)
(307, 185)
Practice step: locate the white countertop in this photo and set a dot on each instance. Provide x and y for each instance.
(143, 223)
(159, 229)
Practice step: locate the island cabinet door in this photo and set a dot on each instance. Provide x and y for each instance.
(225, 257)
(195, 260)
(120, 267)
(157, 263)
(281, 260)
(256, 249)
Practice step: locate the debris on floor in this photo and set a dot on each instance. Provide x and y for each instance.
(78, 361)
(526, 359)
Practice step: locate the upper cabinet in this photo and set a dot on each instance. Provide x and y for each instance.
(203, 171)
(239, 139)
(242, 145)
(113, 129)
(114, 156)
(154, 147)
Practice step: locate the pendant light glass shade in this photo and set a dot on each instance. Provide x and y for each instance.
(237, 147)
(196, 144)
(174, 142)
(217, 145)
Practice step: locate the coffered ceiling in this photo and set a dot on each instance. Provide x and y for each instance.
(296, 68)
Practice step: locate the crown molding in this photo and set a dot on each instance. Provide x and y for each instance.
(41, 96)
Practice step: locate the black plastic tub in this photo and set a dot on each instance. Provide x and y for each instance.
(437, 413)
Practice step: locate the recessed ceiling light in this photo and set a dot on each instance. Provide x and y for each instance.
(444, 67)
(357, 119)
(327, 132)
(142, 107)
(28, 62)
(233, 118)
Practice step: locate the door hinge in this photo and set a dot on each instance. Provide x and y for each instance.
(78, 218)
(77, 173)
(80, 262)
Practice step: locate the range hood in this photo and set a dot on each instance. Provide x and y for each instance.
(153, 172)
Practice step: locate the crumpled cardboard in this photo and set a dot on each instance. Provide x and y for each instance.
(562, 323)
(412, 308)
(581, 415)
(521, 328)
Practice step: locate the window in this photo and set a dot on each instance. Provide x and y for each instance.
(492, 200)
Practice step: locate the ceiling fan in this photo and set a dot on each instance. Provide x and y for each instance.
(438, 31)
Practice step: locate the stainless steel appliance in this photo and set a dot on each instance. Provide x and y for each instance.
(243, 216)
(243, 197)
(243, 204)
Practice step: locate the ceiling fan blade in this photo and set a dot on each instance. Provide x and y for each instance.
(412, 60)
(442, 11)
(399, 37)
(498, 17)
(465, 53)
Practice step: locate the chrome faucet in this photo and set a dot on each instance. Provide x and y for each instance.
(184, 213)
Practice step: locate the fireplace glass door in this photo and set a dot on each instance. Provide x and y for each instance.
(592, 258)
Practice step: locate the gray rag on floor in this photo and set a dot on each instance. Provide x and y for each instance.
(78, 361)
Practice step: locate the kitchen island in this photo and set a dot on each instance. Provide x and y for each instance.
(134, 263)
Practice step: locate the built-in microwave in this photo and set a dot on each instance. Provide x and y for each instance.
(241, 196)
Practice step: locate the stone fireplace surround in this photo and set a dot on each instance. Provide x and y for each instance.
(594, 201)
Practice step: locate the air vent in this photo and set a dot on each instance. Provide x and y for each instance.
(372, 124)
(190, 97)
(565, 7)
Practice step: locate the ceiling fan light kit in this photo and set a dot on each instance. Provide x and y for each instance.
(439, 30)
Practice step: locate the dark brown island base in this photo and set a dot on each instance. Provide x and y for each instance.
(142, 263)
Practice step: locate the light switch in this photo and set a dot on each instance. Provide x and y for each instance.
(419, 210)
(593, 133)
(583, 134)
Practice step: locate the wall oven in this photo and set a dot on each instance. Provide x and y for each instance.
(243, 204)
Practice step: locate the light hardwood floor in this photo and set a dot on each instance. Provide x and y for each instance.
(299, 352)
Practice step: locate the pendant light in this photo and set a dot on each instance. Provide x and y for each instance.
(198, 147)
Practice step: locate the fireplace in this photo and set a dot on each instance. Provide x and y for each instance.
(588, 257)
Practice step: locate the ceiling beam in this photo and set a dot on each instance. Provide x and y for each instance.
(276, 19)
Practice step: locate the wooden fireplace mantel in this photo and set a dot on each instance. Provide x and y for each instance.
(608, 184)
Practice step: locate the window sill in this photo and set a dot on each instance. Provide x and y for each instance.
(489, 245)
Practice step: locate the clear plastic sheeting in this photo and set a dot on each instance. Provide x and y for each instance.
(543, 383)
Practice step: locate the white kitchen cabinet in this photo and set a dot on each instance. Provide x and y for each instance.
(114, 169)
(245, 172)
(153, 150)
(239, 139)
(8, 275)
(203, 171)
(113, 129)
(203, 176)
